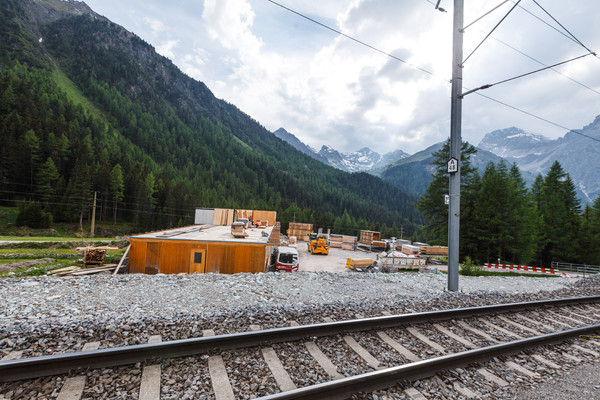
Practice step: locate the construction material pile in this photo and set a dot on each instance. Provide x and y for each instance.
(367, 237)
(434, 250)
(343, 242)
(301, 231)
(94, 256)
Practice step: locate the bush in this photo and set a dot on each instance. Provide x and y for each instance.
(32, 215)
(470, 268)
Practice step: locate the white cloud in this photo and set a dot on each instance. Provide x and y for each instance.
(326, 89)
(166, 48)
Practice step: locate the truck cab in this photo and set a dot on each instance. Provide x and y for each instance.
(283, 259)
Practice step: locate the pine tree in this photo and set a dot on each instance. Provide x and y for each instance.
(117, 188)
(431, 204)
(560, 217)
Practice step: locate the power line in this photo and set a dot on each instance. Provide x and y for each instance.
(489, 85)
(565, 29)
(353, 39)
(485, 15)
(545, 65)
(538, 117)
(492, 31)
(445, 80)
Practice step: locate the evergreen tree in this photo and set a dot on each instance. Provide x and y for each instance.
(559, 210)
(117, 188)
(431, 204)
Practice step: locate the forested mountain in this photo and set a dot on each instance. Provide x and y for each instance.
(536, 153)
(413, 174)
(502, 219)
(87, 106)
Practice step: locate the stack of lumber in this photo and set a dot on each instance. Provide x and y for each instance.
(238, 230)
(434, 250)
(378, 243)
(349, 242)
(78, 271)
(336, 241)
(367, 237)
(410, 249)
(275, 238)
(94, 255)
(267, 218)
(222, 217)
(301, 231)
(353, 263)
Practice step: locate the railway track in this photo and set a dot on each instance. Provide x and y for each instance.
(333, 359)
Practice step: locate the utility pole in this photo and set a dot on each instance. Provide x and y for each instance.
(455, 146)
(93, 217)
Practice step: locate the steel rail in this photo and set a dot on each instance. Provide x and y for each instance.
(34, 367)
(382, 379)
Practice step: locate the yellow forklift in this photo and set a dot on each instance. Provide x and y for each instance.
(318, 243)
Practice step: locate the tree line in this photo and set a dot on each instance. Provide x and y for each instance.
(503, 219)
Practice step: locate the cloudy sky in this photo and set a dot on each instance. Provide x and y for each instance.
(286, 71)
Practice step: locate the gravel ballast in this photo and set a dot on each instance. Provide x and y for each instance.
(43, 315)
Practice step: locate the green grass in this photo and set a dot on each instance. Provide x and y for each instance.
(74, 94)
(52, 239)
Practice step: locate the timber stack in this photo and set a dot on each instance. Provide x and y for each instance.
(301, 231)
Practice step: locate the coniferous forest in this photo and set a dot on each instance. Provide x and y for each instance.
(89, 107)
(503, 219)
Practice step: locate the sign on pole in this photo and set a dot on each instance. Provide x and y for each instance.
(452, 165)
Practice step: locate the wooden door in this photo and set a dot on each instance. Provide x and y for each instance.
(198, 261)
(152, 265)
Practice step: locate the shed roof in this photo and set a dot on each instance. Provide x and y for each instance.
(209, 233)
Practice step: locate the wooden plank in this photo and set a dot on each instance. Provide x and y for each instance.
(122, 259)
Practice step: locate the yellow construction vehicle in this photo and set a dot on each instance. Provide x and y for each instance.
(318, 243)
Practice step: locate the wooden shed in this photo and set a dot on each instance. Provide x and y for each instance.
(201, 249)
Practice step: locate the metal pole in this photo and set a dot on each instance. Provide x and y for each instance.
(93, 228)
(455, 145)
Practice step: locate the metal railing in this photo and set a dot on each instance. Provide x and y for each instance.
(583, 269)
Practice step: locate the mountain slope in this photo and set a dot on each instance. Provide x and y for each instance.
(414, 173)
(534, 153)
(297, 144)
(122, 104)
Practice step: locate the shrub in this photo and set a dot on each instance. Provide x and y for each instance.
(470, 268)
(32, 215)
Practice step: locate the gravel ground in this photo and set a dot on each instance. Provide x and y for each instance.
(42, 315)
(581, 382)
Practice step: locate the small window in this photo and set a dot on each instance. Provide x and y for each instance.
(197, 257)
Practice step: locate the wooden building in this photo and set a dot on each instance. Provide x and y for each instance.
(202, 249)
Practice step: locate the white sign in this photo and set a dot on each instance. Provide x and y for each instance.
(453, 165)
(446, 199)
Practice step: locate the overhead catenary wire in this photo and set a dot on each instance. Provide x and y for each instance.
(352, 38)
(545, 65)
(492, 31)
(562, 26)
(538, 117)
(484, 15)
(489, 85)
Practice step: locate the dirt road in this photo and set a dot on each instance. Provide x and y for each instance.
(335, 261)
